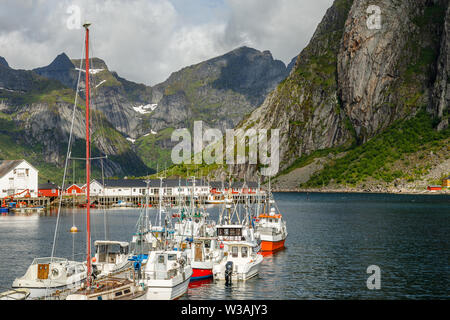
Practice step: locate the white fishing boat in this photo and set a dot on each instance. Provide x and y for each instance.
(166, 275)
(241, 245)
(215, 199)
(111, 257)
(45, 276)
(17, 294)
(240, 262)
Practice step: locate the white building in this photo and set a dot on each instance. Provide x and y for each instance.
(17, 176)
(138, 187)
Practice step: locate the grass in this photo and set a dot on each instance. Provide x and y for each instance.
(373, 159)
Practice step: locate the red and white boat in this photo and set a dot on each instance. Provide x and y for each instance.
(204, 253)
(272, 231)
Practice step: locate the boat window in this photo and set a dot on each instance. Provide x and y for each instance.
(232, 231)
(226, 232)
(220, 232)
(161, 259)
(118, 294)
(244, 252)
(207, 244)
(234, 252)
(172, 257)
(124, 250)
(126, 291)
(238, 231)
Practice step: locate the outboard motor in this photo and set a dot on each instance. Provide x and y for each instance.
(228, 272)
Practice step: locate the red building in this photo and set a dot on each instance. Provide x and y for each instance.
(434, 188)
(75, 189)
(48, 190)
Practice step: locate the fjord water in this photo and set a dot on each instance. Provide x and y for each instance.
(332, 240)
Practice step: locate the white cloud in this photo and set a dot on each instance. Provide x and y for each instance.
(146, 40)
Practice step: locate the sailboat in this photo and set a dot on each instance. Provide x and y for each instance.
(107, 288)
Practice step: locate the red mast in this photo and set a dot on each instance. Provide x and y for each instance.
(88, 206)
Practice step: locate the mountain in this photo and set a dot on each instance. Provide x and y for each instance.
(35, 116)
(219, 91)
(364, 108)
(133, 122)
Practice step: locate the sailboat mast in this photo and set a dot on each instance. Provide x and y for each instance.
(88, 169)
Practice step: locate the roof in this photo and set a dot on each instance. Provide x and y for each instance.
(235, 184)
(45, 186)
(8, 165)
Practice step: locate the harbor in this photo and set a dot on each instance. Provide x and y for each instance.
(328, 249)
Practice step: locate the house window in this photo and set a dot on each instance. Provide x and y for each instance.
(134, 190)
(74, 191)
(53, 190)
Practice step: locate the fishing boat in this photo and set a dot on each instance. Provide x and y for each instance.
(204, 253)
(241, 260)
(111, 257)
(215, 199)
(272, 230)
(270, 226)
(166, 275)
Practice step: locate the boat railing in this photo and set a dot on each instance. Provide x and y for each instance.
(48, 260)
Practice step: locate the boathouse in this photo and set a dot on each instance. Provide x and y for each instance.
(48, 189)
(76, 190)
(18, 177)
(434, 188)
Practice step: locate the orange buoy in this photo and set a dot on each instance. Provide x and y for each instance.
(74, 229)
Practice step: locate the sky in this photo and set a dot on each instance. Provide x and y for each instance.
(146, 40)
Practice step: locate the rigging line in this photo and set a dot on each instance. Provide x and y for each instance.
(65, 170)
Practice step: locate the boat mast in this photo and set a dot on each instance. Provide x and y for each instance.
(88, 206)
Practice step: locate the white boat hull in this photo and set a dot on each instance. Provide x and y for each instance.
(166, 289)
(241, 272)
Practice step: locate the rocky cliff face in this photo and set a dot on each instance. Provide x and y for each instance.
(385, 74)
(219, 91)
(305, 106)
(441, 90)
(352, 82)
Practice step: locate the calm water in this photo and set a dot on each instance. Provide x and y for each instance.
(332, 240)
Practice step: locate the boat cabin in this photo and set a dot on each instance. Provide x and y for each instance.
(110, 251)
(230, 233)
(164, 265)
(239, 250)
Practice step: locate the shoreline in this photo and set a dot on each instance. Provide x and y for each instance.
(406, 192)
